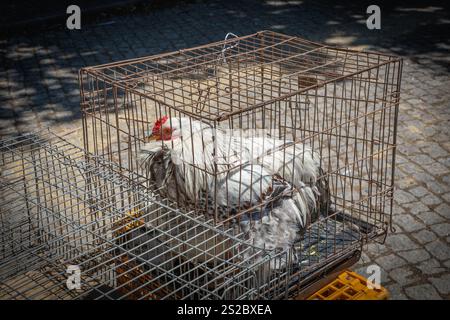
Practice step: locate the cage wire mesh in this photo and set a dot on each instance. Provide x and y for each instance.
(60, 208)
(270, 157)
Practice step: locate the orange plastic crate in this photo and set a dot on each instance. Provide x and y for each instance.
(349, 286)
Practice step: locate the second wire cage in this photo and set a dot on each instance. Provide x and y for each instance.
(65, 214)
(288, 142)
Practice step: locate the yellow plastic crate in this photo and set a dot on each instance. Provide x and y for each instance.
(349, 286)
(129, 222)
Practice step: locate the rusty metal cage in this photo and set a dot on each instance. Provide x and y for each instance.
(62, 210)
(317, 119)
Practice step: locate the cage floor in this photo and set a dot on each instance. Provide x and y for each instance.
(325, 238)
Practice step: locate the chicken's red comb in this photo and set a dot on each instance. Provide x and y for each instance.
(159, 123)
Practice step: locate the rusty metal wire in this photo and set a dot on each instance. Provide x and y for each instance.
(61, 208)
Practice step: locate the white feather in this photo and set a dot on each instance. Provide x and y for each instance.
(246, 167)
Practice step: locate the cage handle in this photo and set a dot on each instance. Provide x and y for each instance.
(229, 46)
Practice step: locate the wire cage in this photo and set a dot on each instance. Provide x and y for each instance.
(63, 212)
(264, 133)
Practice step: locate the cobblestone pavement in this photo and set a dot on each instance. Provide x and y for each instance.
(39, 88)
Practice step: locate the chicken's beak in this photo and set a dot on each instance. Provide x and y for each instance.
(152, 137)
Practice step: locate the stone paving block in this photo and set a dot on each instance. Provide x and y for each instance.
(447, 264)
(430, 267)
(444, 210)
(417, 208)
(435, 150)
(376, 249)
(442, 284)
(424, 236)
(364, 258)
(401, 242)
(404, 182)
(430, 218)
(422, 159)
(408, 223)
(419, 191)
(441, 229)
(446, 162)
(404, 275)
(437, 187)
(414, 256)
(439, 249)
(437, 169)
(430, 200)
(390, 262)
(402, 197)
(423, 291)
(422, 176)
(397, 210)
(396, 292)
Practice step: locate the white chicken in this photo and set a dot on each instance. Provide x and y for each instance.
(273, 179)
